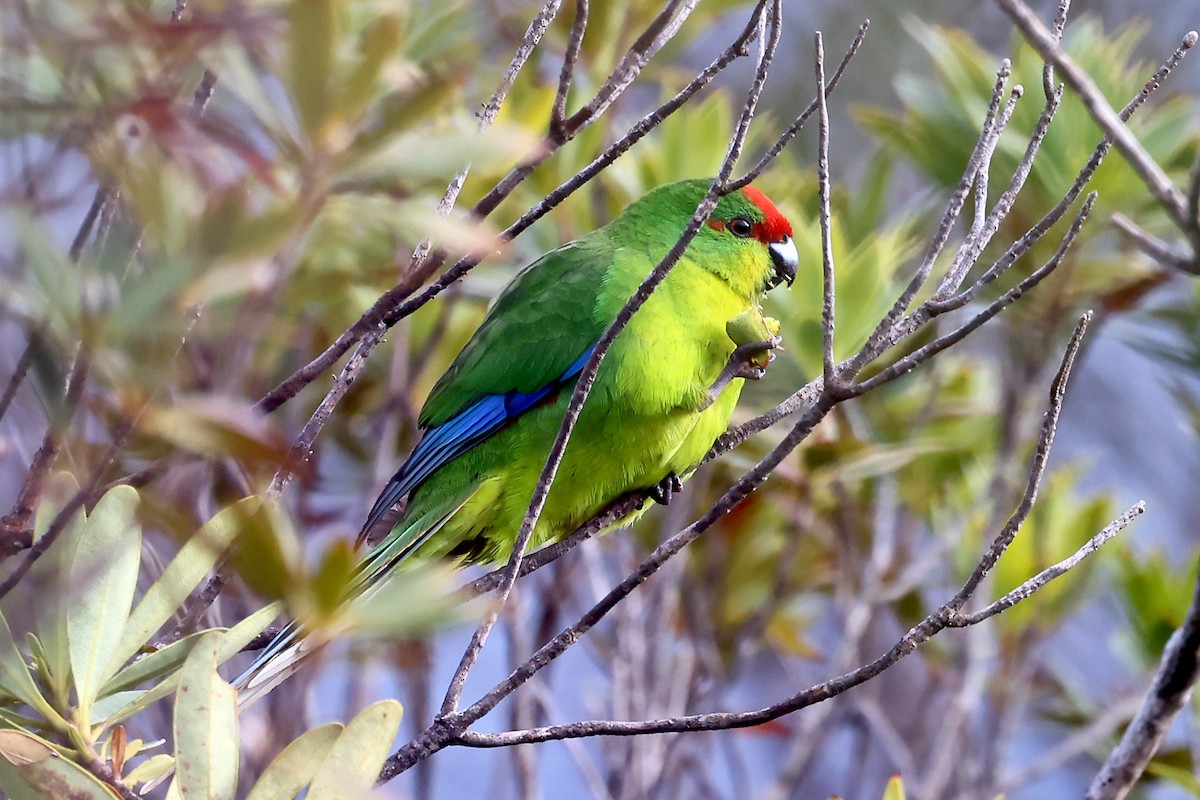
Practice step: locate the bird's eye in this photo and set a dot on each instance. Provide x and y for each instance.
(740, 226)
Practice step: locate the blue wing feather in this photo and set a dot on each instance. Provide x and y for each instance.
(445, 442)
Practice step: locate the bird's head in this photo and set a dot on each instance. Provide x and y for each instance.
(746, 241)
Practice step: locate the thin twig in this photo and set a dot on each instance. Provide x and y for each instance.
(1056, 32)
(14, 527)
(24, 362)
(558, 113)
(881, 335)
(911, 641)
(88, 495)
(301, 449)
(1082, 84)
(827, 272)
(1163, 252)
(1168, 693)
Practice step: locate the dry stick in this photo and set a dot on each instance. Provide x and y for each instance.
(298, 454)
(24, 362)
(558, 113)
(391, 307)
(419, 264)
(1194, 202)
(1074, 76)
(1161, 251)
(1168, 693)
(799, 122)
(954, 207)
(983, 230)
(15, 531)
(913, 359)
(15, 534)
(940, 619)
(86, 496)
(1056, 32)
(583, 384)
(301, 449)
(1096, 731)
(827, 271)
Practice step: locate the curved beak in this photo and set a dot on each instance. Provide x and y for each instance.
(786, 259)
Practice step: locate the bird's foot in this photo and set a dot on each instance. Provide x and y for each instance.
(747, 361)
(666, 489)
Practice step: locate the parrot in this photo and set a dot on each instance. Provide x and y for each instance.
(664, 392)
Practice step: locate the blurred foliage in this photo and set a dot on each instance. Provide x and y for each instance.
(65, 696)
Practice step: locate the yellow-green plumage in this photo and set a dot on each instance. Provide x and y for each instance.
(653, 411)
(648, 414)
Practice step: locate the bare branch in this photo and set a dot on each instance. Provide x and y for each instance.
(301, 449)
(1082, 84)
(953, 207)
(827, 271)
(14, 527)
(1026, 589)
(1161, 251)
(558, 114)
(1168, 693)
(1060, 22)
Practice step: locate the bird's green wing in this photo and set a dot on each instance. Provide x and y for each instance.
(533, 342)
(539, 326)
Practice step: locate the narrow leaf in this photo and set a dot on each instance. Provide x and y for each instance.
(103, 579)
(153, 665)
(15, 679)
(182, 575)
(354, 760)
(205, 727)
(293, 768)
(232, 643)
(51, 576)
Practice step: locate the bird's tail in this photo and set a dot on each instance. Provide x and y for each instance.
(278, 661)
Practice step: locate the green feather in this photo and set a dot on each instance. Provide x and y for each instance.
(645, 417)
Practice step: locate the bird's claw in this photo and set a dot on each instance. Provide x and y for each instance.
(667, 488)
(748, 361)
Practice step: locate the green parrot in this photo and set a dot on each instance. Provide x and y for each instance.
(664, 392)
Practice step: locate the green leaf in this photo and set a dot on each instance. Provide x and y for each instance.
(379, 42)
(15, 679)
(182, 575)
(234, 640)
(52, 576)
(206, 727)
(152, 665)
(314, 34)
(103, 579)
(293, 768)
(30, 769)
(353, 763)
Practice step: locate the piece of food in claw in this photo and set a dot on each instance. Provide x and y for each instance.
(751, 326)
